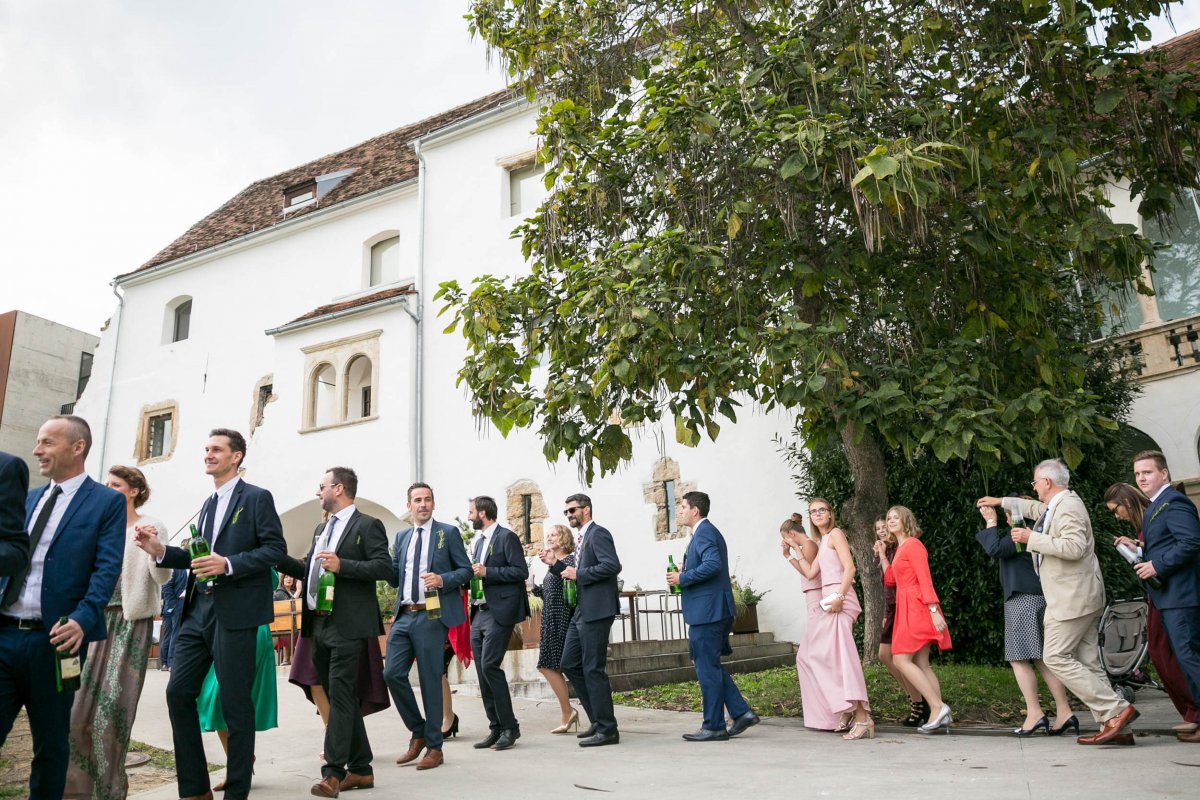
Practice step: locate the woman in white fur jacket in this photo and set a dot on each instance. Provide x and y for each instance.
(115, 669)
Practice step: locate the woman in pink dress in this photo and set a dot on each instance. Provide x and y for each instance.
(919, 620)
(832, 687)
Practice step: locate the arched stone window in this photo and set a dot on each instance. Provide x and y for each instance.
(342, 377)
(359, 390)
(177, 320)
(385, 261)
(324, 395)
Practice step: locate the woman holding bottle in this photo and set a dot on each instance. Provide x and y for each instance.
(885, 551)
(831, 670)
(556, 619)
(115, 669)
(919, 620)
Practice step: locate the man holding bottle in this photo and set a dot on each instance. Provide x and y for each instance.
(56, 601)
(350, 551)
(429, 568)
(585, 651)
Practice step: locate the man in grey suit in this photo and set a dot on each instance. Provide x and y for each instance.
(352, 546)
(429, 555)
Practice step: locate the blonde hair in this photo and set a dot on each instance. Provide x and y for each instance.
(908, 522)
(566, 542)
(813, 531)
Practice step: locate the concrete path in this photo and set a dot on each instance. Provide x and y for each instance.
(777, 759)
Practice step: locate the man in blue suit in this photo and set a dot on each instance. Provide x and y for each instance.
(76, 540)
(14, 540)
(221, 616)
(172, 606)
(429, 555)
(1172, 535)
(708, 610)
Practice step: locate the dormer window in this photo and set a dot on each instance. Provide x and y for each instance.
(299, 195)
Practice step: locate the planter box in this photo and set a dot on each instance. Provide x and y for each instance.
(747, 621)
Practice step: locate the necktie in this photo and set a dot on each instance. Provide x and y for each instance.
(208, 519)
(17, 582)
(1040, 526)
(417, 594)
(314, 567)
(479, 550)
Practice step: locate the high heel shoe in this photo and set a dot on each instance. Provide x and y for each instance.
(918, 713)
(943, 720)
(453, 730)
(1072, 722)
(861, 730)
(1041, 723)
(571, 723)
(846, 723)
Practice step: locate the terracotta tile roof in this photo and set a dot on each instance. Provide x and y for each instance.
(1183, 52)
(345, 305)
(377, 163)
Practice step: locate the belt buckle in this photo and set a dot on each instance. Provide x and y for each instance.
(29, 624)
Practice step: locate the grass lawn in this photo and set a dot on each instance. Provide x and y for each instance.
(978, 694)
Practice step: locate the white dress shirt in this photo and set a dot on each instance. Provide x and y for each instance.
(427, 545)
(481, 551)
(223, 495)
(29, 602)
(328, 540)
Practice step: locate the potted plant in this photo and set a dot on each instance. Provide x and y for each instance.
(386, 596)
(745, 605)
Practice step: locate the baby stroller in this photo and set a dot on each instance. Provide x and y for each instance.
(1123, 646)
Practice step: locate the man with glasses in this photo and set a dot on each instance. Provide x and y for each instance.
(585, 652)
(1064, 555)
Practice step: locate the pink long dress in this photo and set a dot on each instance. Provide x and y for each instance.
(828, 664)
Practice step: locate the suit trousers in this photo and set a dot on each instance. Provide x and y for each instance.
(336, 659)
(1070, 651)
(203, 642)
(166, 637)
(717, 690)
(489, 643)
(416, 637)
(1183, 630)
(27, 679)
(584, 658)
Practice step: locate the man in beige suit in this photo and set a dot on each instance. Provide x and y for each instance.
(1065, 557)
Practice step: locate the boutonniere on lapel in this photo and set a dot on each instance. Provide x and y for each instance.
(1159, 510)
(441, 540)
(237, 514)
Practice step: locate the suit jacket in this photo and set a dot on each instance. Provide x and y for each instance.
(83, 561)
(1070, 573)
(707, 594)
(504, 584)
(1171, 533)
(171, 591)
(1017, 575)
(251, 538)
(596, 571)
(363, 552)
(14, 539)
(449, 560)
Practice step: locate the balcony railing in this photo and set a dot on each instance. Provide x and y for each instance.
(1162, 351)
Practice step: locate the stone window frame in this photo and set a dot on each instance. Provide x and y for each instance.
(338, 354)
(511, 165)
(141, 445)
(654, 492)
(537, 517)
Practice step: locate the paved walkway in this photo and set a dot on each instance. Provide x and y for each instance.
(778, 759)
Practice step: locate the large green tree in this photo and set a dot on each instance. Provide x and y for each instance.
(873, 213)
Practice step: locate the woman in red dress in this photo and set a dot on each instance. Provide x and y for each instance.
(919, 621)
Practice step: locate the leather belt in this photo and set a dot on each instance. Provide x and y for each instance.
(480, 607)
(408, 607)
(22, 624)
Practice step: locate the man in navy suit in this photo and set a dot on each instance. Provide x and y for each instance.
(708, 610)
(1172, 535)
(352, 546)
(221, 616)
(500, 562)
(585, 651)
(172, 605)
(76, 540)
(429, 555)
(14, 540)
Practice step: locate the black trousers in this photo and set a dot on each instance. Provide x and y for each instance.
(489, 643)
(584, 658)
(336, 659)
(203, 642)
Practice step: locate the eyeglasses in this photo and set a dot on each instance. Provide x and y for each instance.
(1036, 481)
(568, 512)
(322, 486)
(812, 511)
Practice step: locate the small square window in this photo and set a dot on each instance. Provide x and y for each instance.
(525, 189)
(299, 194)
(158, 439)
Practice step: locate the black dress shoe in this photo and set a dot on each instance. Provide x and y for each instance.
(587, 733)
(705, 735)
(601, 739)
(491, 739)
(506, 740)
(744, 721)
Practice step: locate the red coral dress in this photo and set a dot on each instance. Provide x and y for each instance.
(909, 573)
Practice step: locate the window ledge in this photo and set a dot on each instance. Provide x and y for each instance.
(154, 459)
(345, 424)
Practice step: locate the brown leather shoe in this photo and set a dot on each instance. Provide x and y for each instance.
(414, 749)
(1193, 737)
(1110, 728)
(206, 796)
(433, 758)
(326, 787)
(353, 781)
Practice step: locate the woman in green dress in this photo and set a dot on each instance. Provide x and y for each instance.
(262, 694)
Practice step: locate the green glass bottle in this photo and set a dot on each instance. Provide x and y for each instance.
(325, 592)
(67, 667)
(570, 592)
(197, 547)
(433, 602)
(676, 589)
(476, 584)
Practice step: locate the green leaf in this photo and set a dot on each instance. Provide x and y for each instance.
(882, 166)
(1109, 99)
(793, 165)
(733, 226)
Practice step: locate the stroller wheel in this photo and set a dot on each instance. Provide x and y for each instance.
(1125, 692)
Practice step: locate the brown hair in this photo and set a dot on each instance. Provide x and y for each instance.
(135, 480)
(1160, 461)
(793, 524)
(1129, 498)
(813, 531)
(889, 538)
(908, 521)
(566, 542)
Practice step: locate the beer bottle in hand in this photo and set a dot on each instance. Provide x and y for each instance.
(67, 667)
(676, 589)
(433, 602)
(325, 592)
(197, 547)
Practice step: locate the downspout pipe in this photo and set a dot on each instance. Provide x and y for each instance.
(418, 320)
(112, 374)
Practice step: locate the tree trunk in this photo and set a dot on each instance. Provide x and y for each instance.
(857, 517)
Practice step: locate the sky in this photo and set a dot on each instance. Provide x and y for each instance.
(123, 122)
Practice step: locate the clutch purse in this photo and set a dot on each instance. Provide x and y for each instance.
(827, 601)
